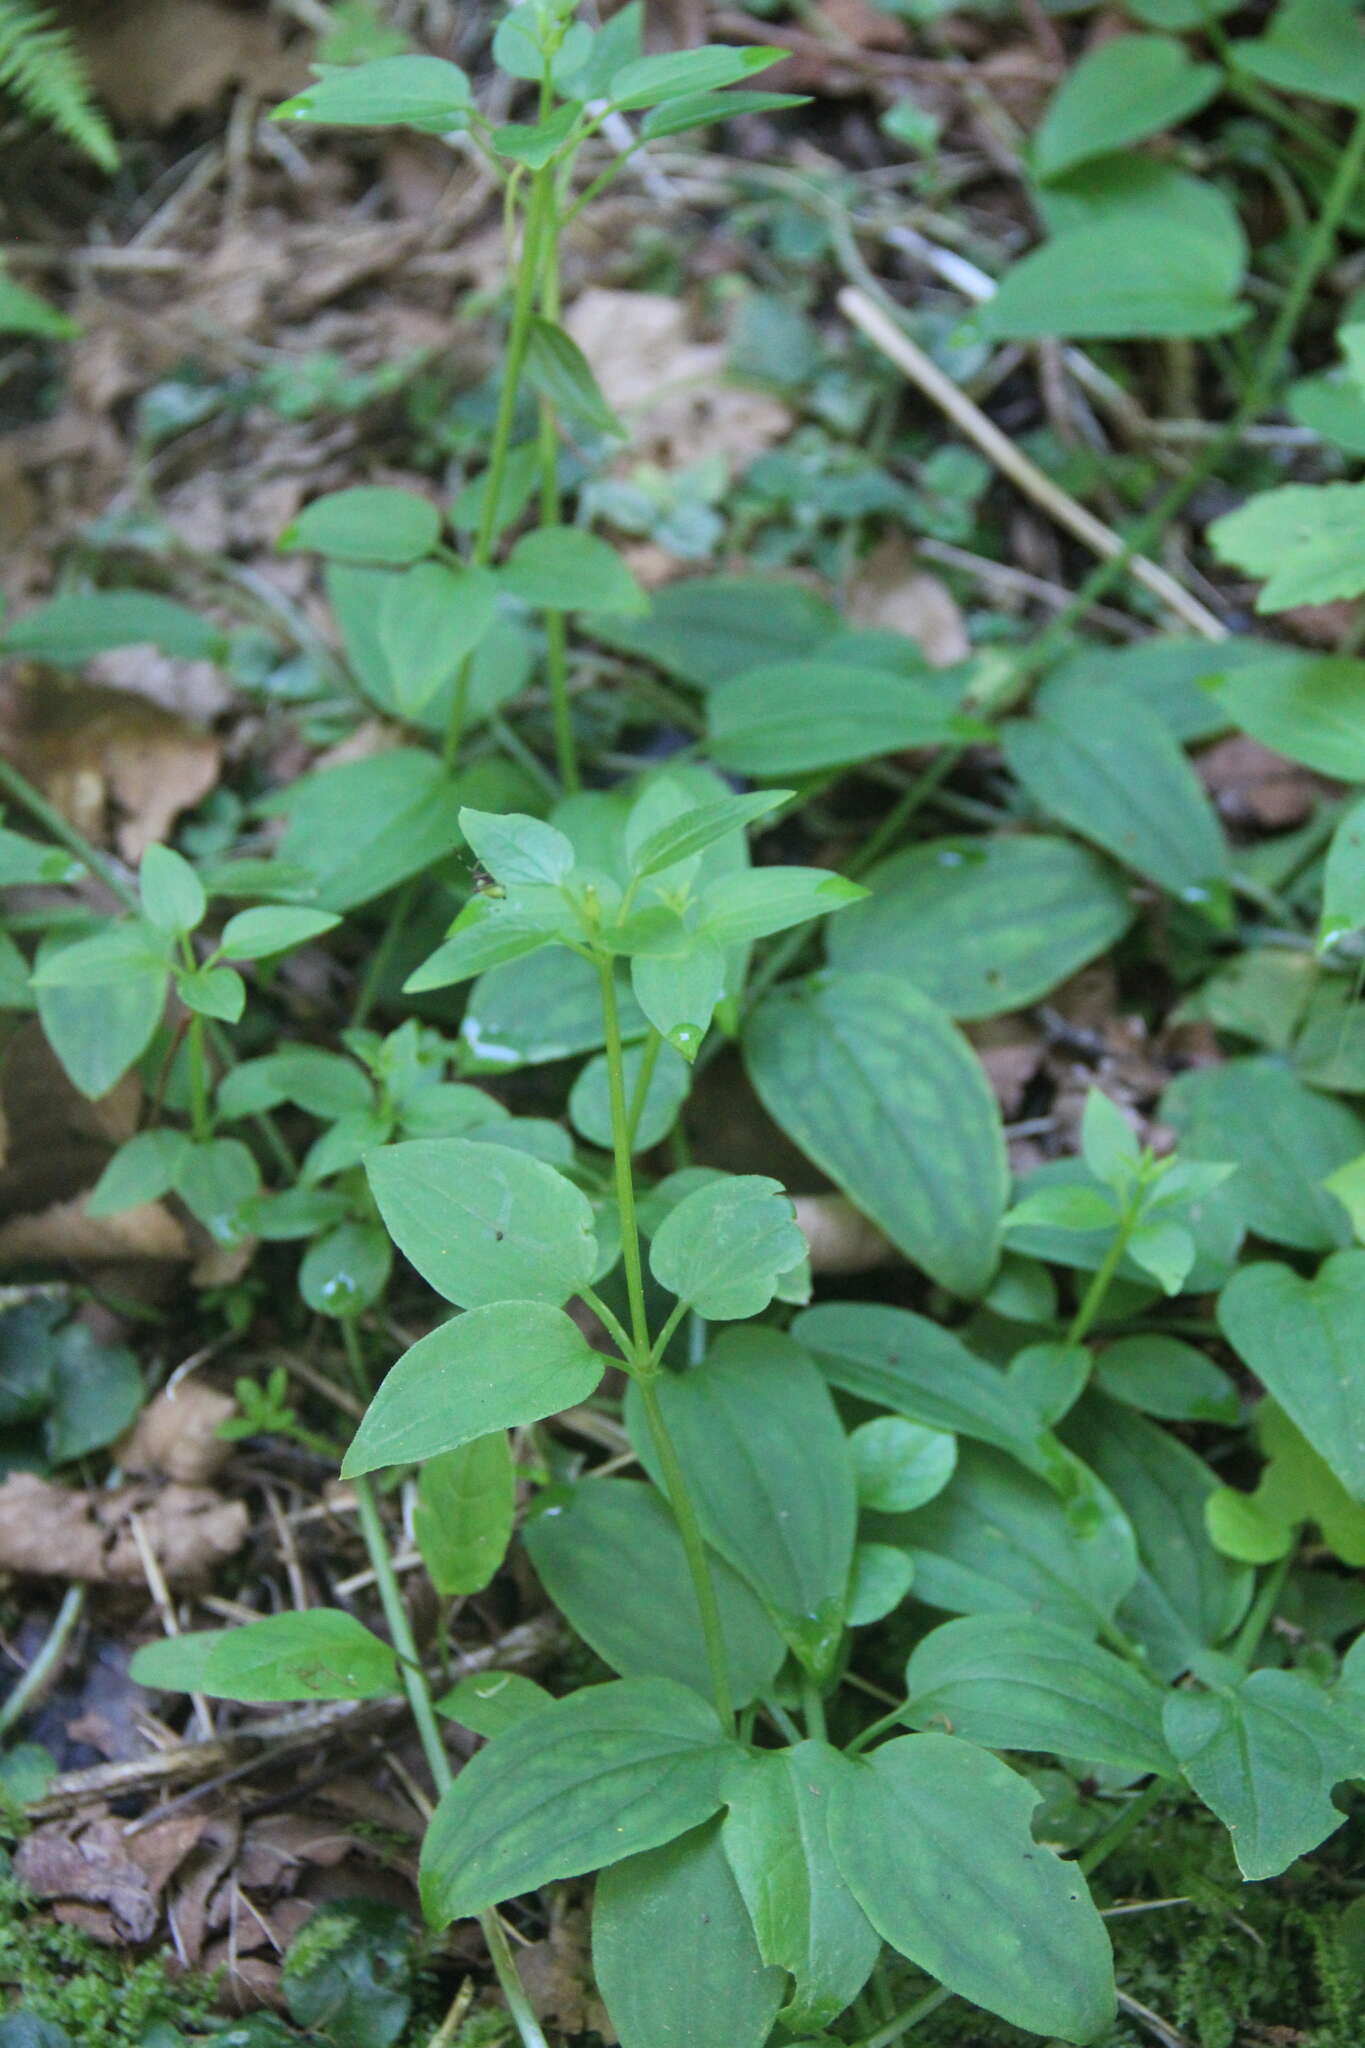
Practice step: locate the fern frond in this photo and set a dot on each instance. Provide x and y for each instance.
(39, 66)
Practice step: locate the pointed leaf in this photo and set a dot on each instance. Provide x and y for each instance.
(1304, 1340)
(318, 1654)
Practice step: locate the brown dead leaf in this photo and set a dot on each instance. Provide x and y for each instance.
(64, 1234)
(154, 60)
(200, 1887)
(558, 1978)
(1252, 786)
(892, 592)
(96, 1865)
(1011, 1051)
(52, 1531)
(196, 690)
(176, 1434)
(840, 1237)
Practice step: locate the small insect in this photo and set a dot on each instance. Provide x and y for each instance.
(483, 883)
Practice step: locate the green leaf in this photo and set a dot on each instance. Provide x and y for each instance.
(708, 629)
(1303, 1340)
(347, 1269)
(805, 1919)
(273, 928)
(368, 523)
(172, 895)
(798, 717)
(1118, 94)
(317, 1654)
(724, 1247)
(496, 1367)
(547, 1006)
(699, 110)
(1304, 705)
(1306, 539)
(23, 312)
(73, 628)
(1100, 760)
(489, 932)
(212, 992)
(1310, 46)
(414, 91)
(431, 619)
(563, 569)
(483, 1223)
(515, 848)
(590, 1097)
(880, 1091)
(882, 1576)
(1015, 1681)
(96, 1394)
(920, 1370)
(557, 368)
(652, 847)
(935, 1841)
(678, 992)
(216, 1181)
(143, 1169)
(489, 1701)
(900, 1465)
(1109, 1144)
(610, 1771)
(650, 80)
(984, 925)
(674, 1951)
(1069, 1207)
(466, 1505)
(1296, 1487)
(756, 903)
(1265, 1756)
(1285, 1139)
(368, 825)
(767, 1460)
(1159, 278)
(537, 145)
(99, 1002)
(1164, 1377)
(1141, 196)
(644, 1622)
(352, 1973)
(1343, 885)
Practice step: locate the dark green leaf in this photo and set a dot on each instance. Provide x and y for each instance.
(708, 629)
(352, 1972)
(96, 1394)
(1304, 1341)
(1165, 1377)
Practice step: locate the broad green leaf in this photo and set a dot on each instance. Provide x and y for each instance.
(1296, 1487)
(1141, 196)
(1310, 46)
(1014, 1681)
(756, 903)
(1305, 539)
(323, 1083)
(651, 849)
(273, 928)
(900, 1465)
(142, 1170)
(368, 523)
(1304, 705)
(935, 1841)
(431, 619)
(466, 1505)
(918, 1369)
(724, 1247)
(805, 1919)
(346, 1269)
(96, 1394)
(673, 73)
(1161, 278)
(1118, 94)
(708, 629)
(1109, 1144)
(1186, 1598)
(1285, 1139)
(882, 1576)
(483, 1223)
(678, 992)
(410, 91)
(367, 825)
(644, 1622)
(216, 1180)
(768, 1463)
(563, 569)
(547, 1006)
(490, 1701)
(1343, 886)
(509, 1363)
(590, 1097)
(1071, 1207)
(316, 1654)
(610, 1771)
(99, 1002)
(1265, 1756)
(797, 717)
(557, 368)
(536, 145)
(674, 1951)
(1166, 1377)
(516, 848)
(984, 925)
(1100, 760)
(881, 1092)
(71, 629)
(1169, 676)
(1303, 1339)
(172, 894)
(998, 1540)
(212, 992)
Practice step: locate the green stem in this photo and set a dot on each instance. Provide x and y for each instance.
(648, 1061)
(1093, 1299)
(39, 809)
(46, 1664)
(201, 1118)
(377, 966)
(624, 1177)
(1260, 1612)
(812, 1709)
(556, 625)
(1133, 1814)
(689, 1528)
(895, 1719)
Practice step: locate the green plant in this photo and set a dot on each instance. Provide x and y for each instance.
(39, 67)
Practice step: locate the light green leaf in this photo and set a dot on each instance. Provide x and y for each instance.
(653, 847)
(882, 1576)
(217, 1180)
(1015, 1681)
(590, 1097)
(678, 992)
(1303, 1339)
(984, 925)
(934, 1839)
(212, 992)
(1100, 760)
(1109, 1144)
(547, 1006)
(516, 848)
(410, 91)
(806, 1920)
(483, 1223)
(1308, 540)
(99, 1002)
(1296, 1487)
(756, 903)
(644, 1622)
(1304, 705)
(708, 629)
(1343, 885)
(1160, 278)
(24, 312)
(673, 73)
(699, 110)
(367, 825)
(172, 895)
(1118, 94)
(143, 1169)
(608, 1772)
(466, 1505)
(797, 717)
(557, 368)
(368, 523)
(1310, 46)
(273, 928)
(487, 1702)
(1265, 1756)
(496, 1367)
(318, 1654)
(563, 569)
(347, 1269)
(1070, 1207)
(72, 628)
(768, 1463)
(881, 1092)
(725, 1246)
(488, 932)
(431, 619)
(900, 1465)
(1165, 1377)
(674, 1950)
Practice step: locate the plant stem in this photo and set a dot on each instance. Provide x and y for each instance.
(812, 1709)
(689, 1528)
(649, 1059)
(44, 1667)
(895, 1719)
(420, 1702)
(1260, 1612)
(1118, 1832)
(625, 1178)
(556, 625)
(44, 814)
(1093, 1299)
(201, 1119)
